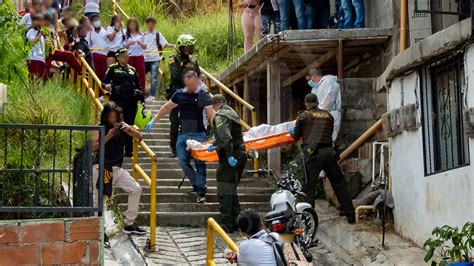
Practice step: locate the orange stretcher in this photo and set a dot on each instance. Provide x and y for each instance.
(258, 144)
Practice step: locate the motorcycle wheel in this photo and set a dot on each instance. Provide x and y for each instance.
(309, 224)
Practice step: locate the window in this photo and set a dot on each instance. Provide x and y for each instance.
(444, 141)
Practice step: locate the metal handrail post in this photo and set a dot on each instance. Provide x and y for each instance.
(153, 204)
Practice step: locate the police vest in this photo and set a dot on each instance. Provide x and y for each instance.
(318, 127)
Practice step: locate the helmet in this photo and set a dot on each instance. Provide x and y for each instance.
(185, 40)
(142, 118)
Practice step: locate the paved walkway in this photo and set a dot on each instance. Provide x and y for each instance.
(187, 246)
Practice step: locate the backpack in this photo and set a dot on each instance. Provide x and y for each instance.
(82, 177)
(286, 253)
(160, 47)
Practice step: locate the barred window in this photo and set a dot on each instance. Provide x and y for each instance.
(442, 91)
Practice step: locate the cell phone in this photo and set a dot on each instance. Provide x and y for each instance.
(117, 125)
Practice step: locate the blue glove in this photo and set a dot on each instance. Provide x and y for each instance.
(149, 126)
(292, 131)
(211, 148)
(232, 161)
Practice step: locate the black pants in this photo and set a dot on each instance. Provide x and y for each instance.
(174, 128)
(129, 113)
(325, 159)
(228, 179)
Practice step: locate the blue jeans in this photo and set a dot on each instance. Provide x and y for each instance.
(354, 14)
(267, 20)
(196, 177)
(285, 12)
(154, 69)
(317, 16)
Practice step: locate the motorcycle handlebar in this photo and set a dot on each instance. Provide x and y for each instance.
(260, 171)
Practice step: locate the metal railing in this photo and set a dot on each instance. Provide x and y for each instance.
(214, 227)
(88, 83)
(239, 103)
(42, 174)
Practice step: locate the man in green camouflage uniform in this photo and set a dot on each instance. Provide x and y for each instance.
(180, 63)
(230, 147)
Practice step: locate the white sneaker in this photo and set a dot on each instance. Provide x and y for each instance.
(150, 99)
(102, 99)
(201, 199)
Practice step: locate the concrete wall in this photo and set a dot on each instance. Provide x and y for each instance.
(55, 241)
(424, 202)
(361, 107)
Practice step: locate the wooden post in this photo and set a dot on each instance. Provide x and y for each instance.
(273, 109)
(340, 60)
(246, 97)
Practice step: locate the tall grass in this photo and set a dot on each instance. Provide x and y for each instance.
(209, 28)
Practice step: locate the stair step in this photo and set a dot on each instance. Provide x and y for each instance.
(197, 207)
(189, 198)
(145, 163)
(211, 189)
(195, 219)
(211, 182)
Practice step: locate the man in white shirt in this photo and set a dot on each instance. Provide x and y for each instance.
(26, 20)
(36, 57)
(255, 250)
(155, 42)
(329, 95)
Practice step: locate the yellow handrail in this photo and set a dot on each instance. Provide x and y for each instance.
(223, 88)
(213, 226)
(361, 140)
(89, 83)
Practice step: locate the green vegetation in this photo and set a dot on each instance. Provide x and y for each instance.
(452, 244)
(34, 102)
(209, 28)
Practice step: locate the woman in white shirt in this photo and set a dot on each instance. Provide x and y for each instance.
(97, 39)
(115, 37)
(135, 43)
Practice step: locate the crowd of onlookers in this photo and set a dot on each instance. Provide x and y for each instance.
(57, 37)
(260, 16)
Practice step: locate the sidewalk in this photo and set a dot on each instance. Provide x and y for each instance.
(356, 245)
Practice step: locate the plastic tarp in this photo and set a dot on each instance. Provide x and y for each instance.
(259, 138)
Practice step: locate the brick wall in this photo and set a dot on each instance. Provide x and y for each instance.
(56, 241)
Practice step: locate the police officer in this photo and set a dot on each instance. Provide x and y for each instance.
(180, 63)
(315, 127)
(121, 80)
(230, 147)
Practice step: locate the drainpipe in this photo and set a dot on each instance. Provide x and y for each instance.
(403, 24)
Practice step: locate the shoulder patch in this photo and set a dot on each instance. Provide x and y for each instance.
(218, 120)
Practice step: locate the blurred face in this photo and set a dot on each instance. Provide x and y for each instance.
(133, 27)
(112, 118)
(37, 7)
(96, 22)
(192, 84)
(83, 32)
(118, 22)
(188, 50)
(67, 14)
(150, 26)
(123, 59)
(27, 5)
(47, 3)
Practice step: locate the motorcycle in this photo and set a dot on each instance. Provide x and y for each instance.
(292, 220)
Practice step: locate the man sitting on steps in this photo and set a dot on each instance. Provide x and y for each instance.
(191, 102)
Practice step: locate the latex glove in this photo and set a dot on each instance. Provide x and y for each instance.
(292, 131)
(149, 126)
(211, 148)
(232, 161)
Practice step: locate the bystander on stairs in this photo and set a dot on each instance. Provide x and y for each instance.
(175, 206)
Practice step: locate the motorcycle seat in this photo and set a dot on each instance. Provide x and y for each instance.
(274, 215)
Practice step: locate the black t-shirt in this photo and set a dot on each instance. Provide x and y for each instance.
(267, 8)
(191, 109)
(114, 149)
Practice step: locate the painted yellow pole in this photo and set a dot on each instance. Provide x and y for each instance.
(403, 25)
(153, 204)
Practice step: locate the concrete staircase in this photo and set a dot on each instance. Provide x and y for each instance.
(175, 206)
